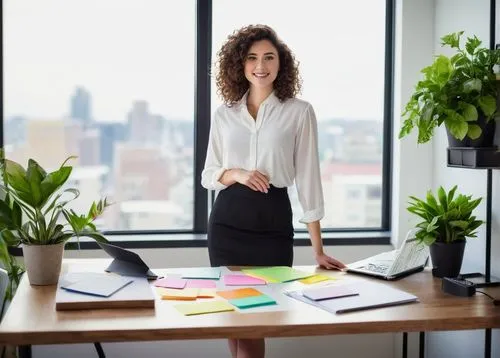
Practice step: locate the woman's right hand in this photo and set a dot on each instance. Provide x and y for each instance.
(254, 179)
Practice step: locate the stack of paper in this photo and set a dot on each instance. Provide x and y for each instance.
(370, 295)
(329, 292)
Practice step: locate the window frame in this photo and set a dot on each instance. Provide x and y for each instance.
(202, 115)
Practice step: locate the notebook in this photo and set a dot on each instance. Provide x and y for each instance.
(104, 286)
(410, 258)
(371, 295)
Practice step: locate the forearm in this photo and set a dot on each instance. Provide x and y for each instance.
(314, 229)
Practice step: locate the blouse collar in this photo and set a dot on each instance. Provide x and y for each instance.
(270, 100)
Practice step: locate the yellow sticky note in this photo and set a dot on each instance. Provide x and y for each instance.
(189, 309)
(315, 278)
(206, 293)
(187, 294)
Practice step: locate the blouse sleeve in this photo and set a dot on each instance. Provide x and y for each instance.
(307, 171)
(213, 163)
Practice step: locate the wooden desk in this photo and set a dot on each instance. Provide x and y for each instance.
(32, 318)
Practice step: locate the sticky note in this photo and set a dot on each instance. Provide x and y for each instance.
(315, 279)
(242, 280)
(206, 292)
(239, 293)
(170, 283)
(201, 284)
(189, 309)
(187, 294)
(202, 272)
(254, 301)
(278, 273)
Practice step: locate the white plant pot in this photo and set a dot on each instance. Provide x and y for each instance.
(43, 263)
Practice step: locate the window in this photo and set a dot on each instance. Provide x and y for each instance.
(120, 85)
(111, 82)
(344, 84)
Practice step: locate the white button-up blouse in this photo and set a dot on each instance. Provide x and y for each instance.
(281, 143)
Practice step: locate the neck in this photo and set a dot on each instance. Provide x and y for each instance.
(257, 96)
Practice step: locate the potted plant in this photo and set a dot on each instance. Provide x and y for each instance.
(447, 222)
(459, 91)
(33, 214)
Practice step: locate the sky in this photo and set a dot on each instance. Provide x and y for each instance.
(127, 50)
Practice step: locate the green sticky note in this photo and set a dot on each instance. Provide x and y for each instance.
(253, 301)
(278, 273)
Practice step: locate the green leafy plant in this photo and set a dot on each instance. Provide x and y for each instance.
(455, 90)
(33, 211)
(446, 218)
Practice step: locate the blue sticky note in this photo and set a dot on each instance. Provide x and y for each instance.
(253, 301)
(212, 273)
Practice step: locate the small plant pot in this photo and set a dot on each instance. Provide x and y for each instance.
(485, 140)
(43, 263)
(447, 258)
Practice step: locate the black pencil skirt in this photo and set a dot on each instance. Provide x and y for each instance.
(251, 228)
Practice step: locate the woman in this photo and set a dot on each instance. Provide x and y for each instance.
(262, 139)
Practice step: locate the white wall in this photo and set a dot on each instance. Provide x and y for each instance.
(412, 163)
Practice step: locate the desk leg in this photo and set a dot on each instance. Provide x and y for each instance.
(487, 343)
(421, 345)
(25, 351)
(405, 345)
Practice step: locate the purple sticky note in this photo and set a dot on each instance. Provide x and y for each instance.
(201, 284)
(170, 283)
(242, 280)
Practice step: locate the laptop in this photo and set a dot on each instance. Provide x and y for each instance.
(126, 262)
(410, 258)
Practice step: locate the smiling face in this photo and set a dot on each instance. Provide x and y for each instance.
(262, 64)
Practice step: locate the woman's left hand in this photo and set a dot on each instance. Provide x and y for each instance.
(328, 262)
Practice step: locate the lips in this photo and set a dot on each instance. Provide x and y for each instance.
(261, 75)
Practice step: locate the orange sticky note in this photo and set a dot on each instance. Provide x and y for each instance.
(187, 294)
(206, 292)
(239, 293)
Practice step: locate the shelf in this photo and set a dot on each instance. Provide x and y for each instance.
(474, 158)
(480, 280)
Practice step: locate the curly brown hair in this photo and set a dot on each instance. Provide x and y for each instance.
(230, 79)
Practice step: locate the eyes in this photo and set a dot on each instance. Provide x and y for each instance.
(251, 58)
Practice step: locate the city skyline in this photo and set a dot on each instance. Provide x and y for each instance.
(137, 53)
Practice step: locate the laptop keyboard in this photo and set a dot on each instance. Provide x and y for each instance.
(380, 268)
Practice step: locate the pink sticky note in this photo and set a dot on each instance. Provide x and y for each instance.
(242, 280)
(171, 283)
(201, 284)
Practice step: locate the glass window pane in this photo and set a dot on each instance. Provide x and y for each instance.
(113, 83)
(341, 54)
